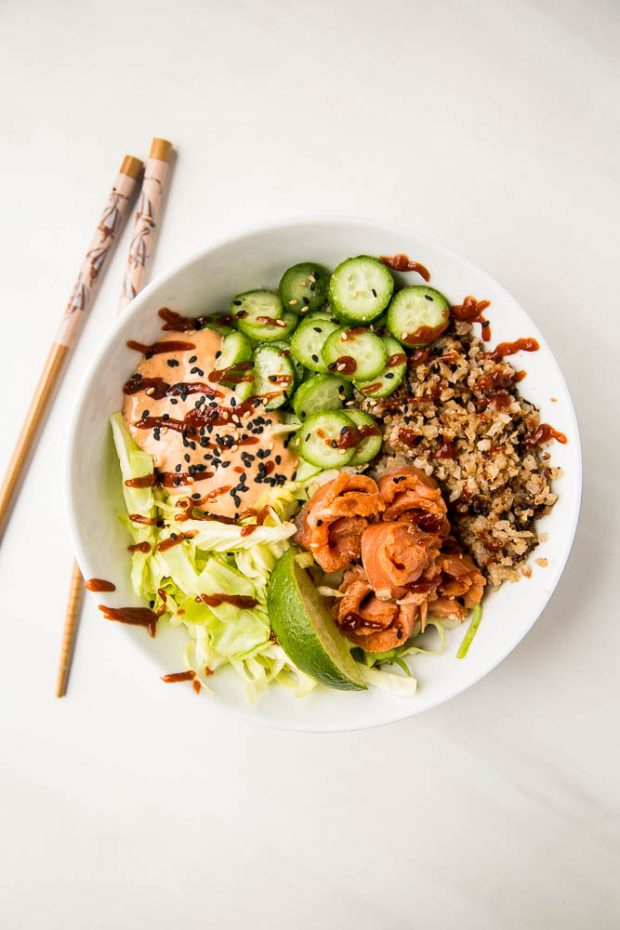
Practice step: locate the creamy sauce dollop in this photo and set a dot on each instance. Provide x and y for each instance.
(206, 444)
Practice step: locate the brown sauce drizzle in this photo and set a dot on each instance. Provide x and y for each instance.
(174, 540)
(351, 436)
(249, 529)
(447, 449)
(177, 323)
(159, 348)
(243, 601)
(424, 335)
(157, 388)
(135, 616)
(138, 518)
(497, 379)
(408, 437)
(146, 481)
(99, 584)
(369, 388)
(173, 677)
(346, 365)
(140, 547)
(545, 433)
(510, 348)
(217, 492)
(233, 374)
(402, 262)
(470, 311)
(352, 332)
(399, 358)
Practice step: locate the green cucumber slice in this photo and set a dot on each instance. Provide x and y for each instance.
(391, 377)
(418, 315)
(371, 438)
(318, 440)
(273, 374)
(360, 289)
(285, 348)
(269, 329)
(354, 353)
(308, 341)
(252, 304)
(304, 287)
(320, 393)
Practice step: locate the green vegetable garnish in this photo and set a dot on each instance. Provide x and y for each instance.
(471, 632)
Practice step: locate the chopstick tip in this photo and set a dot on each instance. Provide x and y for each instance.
(161, 149)
(132, 166)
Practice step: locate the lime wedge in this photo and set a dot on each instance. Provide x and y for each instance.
(305, 628)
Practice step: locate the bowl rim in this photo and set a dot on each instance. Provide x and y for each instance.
(407, 710)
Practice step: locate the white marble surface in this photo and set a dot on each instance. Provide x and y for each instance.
(490, 126)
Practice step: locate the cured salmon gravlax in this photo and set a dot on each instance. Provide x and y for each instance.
(391, 538)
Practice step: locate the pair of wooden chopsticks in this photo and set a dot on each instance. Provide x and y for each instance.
(140, 250)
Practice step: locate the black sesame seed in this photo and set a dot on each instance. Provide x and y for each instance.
(186, 457)
(237, 303)
(389, 374)
(217, 355)
(334, 444)
(427, 297)
(374, 293)
(278, 459)
(149, 355)
(317, 329)
(196, 497)
(172, 363)
(145, 414)
(177, 468)
(312, 287)
(174, 401)
(315, 358)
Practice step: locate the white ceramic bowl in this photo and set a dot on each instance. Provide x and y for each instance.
(206, 283)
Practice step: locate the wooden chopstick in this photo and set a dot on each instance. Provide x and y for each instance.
(140, 251)
(80, 300)
(76, 592)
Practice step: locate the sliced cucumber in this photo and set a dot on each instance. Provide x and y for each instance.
(309, 339)
(253, 304)
(360, 289)
(321, 315)
(273, 375)
(304, 287)
(371, 439)
(235, 348)
(354, 353)
(285, 348)
(320, 393)
(269, 329)
(323, 439)
(390, 378)
(418, 315)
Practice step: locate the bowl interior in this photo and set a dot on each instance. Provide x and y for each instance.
(206, 284)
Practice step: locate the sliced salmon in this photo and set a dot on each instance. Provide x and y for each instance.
(395, 555)
(333, 520)
(461, 578)
(411, 495)
(373, 624)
